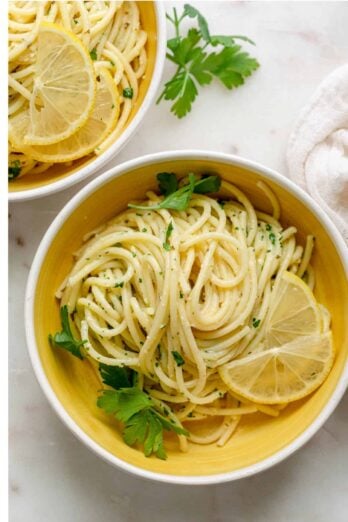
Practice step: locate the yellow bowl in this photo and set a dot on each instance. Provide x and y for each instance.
(71, 385)
(60, 177)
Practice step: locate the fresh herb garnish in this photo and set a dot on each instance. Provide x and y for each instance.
(268, 227)
(65, 338)
(207, 184)
(180, 361)
(169, 230)
(256, 322)
(167, 183)
(93, 54)
(180, 198)
(14, 169)
(128, 92)
(196, 66)
(116, 376)
(119, 285)
(143, 418)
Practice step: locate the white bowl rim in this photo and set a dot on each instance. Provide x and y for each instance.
(96, 164)
(69, 208)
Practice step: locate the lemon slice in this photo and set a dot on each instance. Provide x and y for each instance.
(102, 120)
(294, 312)
(64, 87)
(282, 374)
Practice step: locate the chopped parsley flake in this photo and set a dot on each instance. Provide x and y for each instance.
(178, 358)
(14, 169)
(169, 230)
(128, 92)
(93, 54)
(272, 238)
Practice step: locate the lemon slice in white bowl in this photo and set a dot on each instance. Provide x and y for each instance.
(64, 87)
(98, 126)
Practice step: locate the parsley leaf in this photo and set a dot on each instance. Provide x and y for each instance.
(116, 376)
(192, 12)
(186, 96)
(143, 422)
(207, 184)
(169, 230)
(14, 169)
(228, 41)
(180, 199)
(146, 428)
(167, 183)
(124, 402)
(196, 66)
(65, 338)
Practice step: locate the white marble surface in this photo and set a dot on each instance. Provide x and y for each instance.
(54, 478)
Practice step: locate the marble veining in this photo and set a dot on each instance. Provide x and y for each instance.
(54, 478)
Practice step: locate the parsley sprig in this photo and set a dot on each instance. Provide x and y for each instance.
(144, 419)
(65, 338)
(179, 198)
(196, 66)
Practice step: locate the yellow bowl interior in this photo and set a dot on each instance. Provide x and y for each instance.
(75, 383)
(60, 171)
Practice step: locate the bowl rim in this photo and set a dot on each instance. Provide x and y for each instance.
(44, 245)
(99, 161)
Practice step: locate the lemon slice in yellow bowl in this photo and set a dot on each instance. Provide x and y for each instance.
(294, 312)
(282, 374)
(100, 123)
(64, 87)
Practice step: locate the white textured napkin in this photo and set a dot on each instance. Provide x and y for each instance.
(317, 154)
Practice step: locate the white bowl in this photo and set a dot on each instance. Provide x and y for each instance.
(41, 312)
(99, 161)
